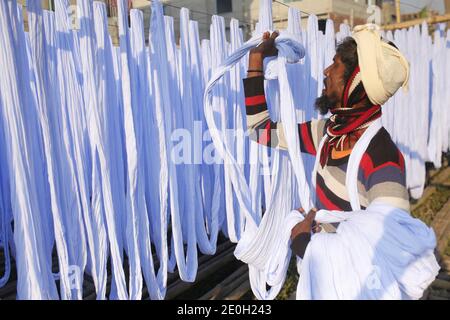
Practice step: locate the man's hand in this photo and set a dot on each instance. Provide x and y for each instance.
(264, 50)
(267, 47)
(307, 225)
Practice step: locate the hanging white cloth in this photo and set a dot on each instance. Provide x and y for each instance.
(66, 210)
(107, 198)
(187, 263)
(5, 207)
(156, 284)
(256, 243)
(35, 279)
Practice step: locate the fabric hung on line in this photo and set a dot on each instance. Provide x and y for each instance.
(291, 51)
(187, 263)
(65, 207)
(32, 235)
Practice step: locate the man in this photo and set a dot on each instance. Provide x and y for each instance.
(356, 84)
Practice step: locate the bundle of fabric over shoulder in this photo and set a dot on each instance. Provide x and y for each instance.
(378, 253)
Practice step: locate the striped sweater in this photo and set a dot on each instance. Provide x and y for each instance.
(381, 173)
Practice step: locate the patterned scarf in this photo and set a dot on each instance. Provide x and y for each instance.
(346, 121)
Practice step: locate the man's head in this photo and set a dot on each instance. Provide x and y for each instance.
(337, 75)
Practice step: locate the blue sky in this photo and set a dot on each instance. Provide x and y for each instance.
(408, 6)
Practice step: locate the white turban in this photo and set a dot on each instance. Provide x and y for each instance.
(383, 68)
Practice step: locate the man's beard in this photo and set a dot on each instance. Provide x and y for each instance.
(324, 104)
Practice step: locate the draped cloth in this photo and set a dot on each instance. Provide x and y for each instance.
(260, 241)
(377, 253)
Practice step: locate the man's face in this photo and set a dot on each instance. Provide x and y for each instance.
(333, 86)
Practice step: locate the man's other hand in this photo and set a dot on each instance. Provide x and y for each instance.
(307, 225)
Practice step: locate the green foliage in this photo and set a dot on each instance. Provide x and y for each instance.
(447, 249)
(428, 210)
(424, 13)
(290, 285)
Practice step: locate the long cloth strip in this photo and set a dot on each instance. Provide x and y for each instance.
(235, 221)
(210, 173)
(173, 61)
(192, 206)
(254, 241)
(187, 264)
(66, 210)
(134, 187)
(108, 138)
(222, 189)
(292, 51)
(438, 138)
(5, 208)
(275, 211)
(206, 233)
(265, 23)
(67, 94)
(102, 179)
(155, 283)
